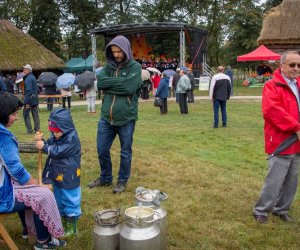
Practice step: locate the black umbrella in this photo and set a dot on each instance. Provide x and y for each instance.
(47, 78)
(284, 145)
(86, 80)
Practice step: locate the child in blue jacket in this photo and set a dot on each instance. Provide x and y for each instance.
(62, 168)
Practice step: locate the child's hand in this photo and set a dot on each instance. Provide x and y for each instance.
(39, 144)
(38, 136)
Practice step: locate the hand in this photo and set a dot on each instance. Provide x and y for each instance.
(38, 136)
(39, 144)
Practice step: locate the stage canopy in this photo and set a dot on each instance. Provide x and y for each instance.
(262, 53)
(193, 37)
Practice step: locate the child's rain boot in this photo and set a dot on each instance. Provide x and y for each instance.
(71, 226)
(63, 222)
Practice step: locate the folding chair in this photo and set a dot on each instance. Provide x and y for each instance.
(6, 239)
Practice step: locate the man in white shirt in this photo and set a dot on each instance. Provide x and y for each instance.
(219, 93)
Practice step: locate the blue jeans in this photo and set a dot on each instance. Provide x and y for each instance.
(105, 137)
(41, 230)
(217, 104)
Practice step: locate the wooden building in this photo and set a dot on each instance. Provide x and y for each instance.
(281, 27)
(18, 49)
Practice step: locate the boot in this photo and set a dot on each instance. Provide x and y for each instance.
(71, 226)
(63, 221)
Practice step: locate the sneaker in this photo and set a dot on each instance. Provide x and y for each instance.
(25, 234)
(261, 219)
(98, 183)
(52, 243)
(120, 187)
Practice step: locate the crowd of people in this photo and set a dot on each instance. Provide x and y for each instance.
(121, 81)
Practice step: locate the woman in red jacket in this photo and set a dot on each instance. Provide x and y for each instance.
(155, 81)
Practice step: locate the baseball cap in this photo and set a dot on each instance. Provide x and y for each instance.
(28, 66)
(53, 127)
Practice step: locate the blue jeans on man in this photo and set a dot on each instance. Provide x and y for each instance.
(105, 137)
(217, 104)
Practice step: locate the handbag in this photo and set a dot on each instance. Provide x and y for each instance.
(157, 102)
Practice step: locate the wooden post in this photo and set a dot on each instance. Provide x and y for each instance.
(40, 161)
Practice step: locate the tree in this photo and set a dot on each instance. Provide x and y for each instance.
(78, 17)
(243, 30)
(17, 11)
(121, 11)
(271, 3)
(45, 24)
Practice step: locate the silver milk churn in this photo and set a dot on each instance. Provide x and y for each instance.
(107, 230)
(139, 232)
(153, 198)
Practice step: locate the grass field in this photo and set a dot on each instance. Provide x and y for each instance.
(212, 176)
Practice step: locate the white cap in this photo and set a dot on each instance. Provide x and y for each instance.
(28, 66)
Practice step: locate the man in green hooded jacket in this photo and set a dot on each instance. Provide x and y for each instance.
(120, 81)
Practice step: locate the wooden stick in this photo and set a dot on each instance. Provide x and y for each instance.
(40, 161)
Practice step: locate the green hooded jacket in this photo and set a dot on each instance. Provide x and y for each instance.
(120, 84)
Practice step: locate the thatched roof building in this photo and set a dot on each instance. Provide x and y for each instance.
(18, 49)
(281, 27)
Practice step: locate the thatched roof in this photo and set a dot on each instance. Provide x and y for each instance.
(281, 24)
(18, 49)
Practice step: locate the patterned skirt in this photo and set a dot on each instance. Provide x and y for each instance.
(42, 202)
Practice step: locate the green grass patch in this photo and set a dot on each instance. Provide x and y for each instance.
(212, 176)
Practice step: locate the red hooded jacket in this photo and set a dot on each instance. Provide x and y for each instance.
(281, 114)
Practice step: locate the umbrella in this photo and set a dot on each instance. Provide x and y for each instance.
(184, 68)
(169, 72)
(98, 70)
(19, 77)
(153, 70)
(145, 75)
(284, 145)
(65, 80)
(47, 78)
(86, 80)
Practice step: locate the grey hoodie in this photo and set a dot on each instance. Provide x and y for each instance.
(123, 43)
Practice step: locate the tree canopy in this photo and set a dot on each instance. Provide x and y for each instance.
(63, 26)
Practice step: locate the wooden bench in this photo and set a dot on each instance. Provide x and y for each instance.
(6, 239)
(57, 96)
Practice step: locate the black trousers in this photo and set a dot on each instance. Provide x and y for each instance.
(145, 93)
(164, 107)
(64, 101)
(183, 103)
(191, 96)
(35, 115)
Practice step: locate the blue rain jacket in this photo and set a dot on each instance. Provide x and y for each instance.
(11, 168)
(62, 166)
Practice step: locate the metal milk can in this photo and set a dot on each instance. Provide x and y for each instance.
(153, 198)
(139, 232)
(107, 230)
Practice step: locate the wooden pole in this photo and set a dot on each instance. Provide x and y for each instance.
(40, 159)
(40, 162)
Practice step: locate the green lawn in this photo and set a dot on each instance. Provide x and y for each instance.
(212, 176)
